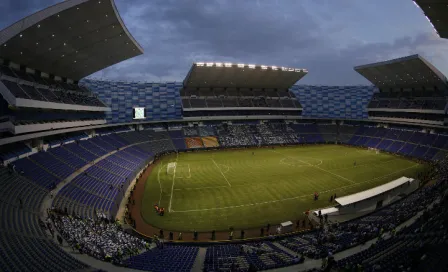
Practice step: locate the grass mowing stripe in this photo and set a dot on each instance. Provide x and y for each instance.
(289, 198)
(263, 190)
(339, 176)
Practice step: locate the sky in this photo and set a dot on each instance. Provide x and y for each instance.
(327, 37)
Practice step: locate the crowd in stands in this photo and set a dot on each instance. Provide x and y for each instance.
(235, 136)
(98, 238)
(92, 233)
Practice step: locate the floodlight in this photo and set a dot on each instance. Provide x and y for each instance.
(274, 68)
(200, 64)
(227, 64)
(209, 64)
(305, 70)
(251, 66)
(298, 70)
(291, 69)
(218, 64)
(264, 67)
(240, 65)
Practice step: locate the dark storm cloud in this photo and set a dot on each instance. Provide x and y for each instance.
(301, 34)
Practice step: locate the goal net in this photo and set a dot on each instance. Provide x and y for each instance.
(171, 167)
(374, 150)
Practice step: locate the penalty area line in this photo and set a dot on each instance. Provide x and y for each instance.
(160, 185)
(221, 172)
(172, 186)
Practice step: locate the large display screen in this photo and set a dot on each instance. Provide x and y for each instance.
(139, 113)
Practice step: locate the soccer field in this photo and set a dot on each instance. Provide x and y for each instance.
(215, 190)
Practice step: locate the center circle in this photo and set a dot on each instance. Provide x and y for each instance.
(300, 161)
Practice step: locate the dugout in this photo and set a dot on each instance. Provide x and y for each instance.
(372, 199)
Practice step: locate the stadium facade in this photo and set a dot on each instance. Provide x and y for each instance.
(73, 151)
(162, 100)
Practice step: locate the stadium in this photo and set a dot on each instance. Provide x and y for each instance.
(239, 167)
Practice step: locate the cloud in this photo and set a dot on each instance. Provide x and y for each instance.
(14, 10)
(324, 37)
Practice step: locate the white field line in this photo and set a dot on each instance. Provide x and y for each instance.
(160, 185)
(200, 188)
(296, 197)
(182, 171)
(172, 186)
(228, 168)
(368, 164)
(339, 176)
(282, 161)
(221, 172)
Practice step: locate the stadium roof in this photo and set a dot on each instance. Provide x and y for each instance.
(223, 75)
(436, 12)
(406, 72)
(72, 39)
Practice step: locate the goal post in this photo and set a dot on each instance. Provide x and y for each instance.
(171, 168)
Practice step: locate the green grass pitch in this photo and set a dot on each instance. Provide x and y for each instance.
(215, 190)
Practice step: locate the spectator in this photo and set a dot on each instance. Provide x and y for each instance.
(96, 237)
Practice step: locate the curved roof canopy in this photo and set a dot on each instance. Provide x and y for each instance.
(436, 12)
(406, 72)
(72, 39)
(224, 75)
